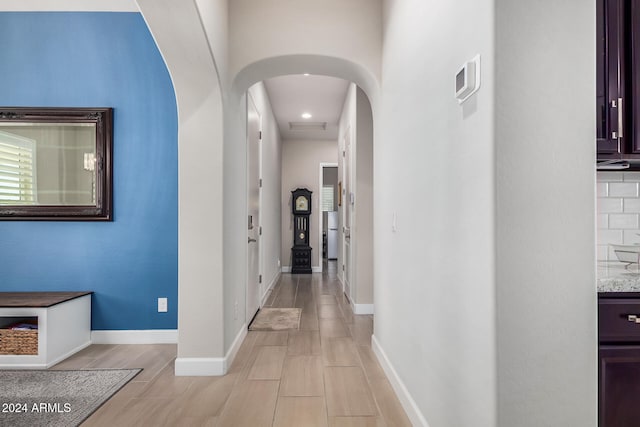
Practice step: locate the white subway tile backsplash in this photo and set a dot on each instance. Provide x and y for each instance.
(631, 176)
(623, 221)
(618, 215)
(607, 237)
(609, 205)
(609, 176)
(631, 206)
(631, 237)
(602, 189)
(623, 189)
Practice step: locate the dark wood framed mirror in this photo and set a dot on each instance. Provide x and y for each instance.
(56, 164)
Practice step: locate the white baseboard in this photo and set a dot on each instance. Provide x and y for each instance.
(341, 282)
(316, 269)
(270, 287)
(151, 336)
(233, 350)
(409, 405)
(362, 308)
(68, 354)
(184, 366)
(209, 366)
(199, 367)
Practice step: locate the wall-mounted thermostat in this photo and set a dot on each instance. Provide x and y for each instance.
(468, 79)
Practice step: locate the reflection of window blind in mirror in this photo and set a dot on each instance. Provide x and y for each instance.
(17, 172)
(327, 198)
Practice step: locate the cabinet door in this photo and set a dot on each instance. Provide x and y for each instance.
(609, 74)
(619, 386)
(632, 77)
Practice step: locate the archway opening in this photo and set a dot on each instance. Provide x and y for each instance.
(354, 258)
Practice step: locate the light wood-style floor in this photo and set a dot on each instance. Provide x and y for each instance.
(324, 374)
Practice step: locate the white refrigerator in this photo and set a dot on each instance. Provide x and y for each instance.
(332, 235)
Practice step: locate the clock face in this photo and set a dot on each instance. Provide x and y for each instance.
(302, 204)
(301, 235)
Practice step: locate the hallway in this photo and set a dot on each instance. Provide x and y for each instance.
(324, 374)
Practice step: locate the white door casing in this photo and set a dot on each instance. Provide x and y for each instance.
(253, 209)
(347, 210)
(319, 208)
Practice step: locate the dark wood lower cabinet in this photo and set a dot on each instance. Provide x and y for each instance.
(619, 353)
(619, 383)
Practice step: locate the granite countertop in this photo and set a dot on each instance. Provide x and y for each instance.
(615, 277)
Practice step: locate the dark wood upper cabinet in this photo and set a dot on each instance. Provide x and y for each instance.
(632, 77)
(610, 79)
(618, 80)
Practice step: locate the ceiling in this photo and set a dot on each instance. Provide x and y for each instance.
(321, 96)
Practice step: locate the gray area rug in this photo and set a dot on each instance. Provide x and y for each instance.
(276, 319)
(56, 398)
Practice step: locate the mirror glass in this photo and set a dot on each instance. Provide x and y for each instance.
(55, 164)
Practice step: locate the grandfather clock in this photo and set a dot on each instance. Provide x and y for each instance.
(301, 251)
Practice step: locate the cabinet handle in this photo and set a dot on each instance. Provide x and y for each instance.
(619, 132)
(620, 119)
(633, 318)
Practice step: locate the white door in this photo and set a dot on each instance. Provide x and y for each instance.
(253, 209)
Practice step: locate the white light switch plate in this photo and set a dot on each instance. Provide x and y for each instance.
(162, 305)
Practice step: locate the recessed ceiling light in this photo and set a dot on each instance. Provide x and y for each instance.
(306, 115)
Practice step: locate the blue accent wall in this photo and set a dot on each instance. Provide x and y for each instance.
(100, 60)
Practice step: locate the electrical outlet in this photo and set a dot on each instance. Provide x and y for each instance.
(162, 305)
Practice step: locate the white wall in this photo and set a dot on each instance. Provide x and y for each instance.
(235, 220)
(270, 209)
(363, 207)
(545, 184)
(346, 130)
(200, 184)
(214, 18)
(356, 120)
(273, 28)
(434, 167)
(300, 169)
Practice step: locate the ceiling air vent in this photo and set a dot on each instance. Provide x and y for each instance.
(307, 126)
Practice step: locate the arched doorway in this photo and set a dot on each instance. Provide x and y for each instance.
(355, 263)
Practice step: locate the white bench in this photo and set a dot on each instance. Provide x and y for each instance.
(64, 325)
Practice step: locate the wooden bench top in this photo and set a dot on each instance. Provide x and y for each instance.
(37, 299)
